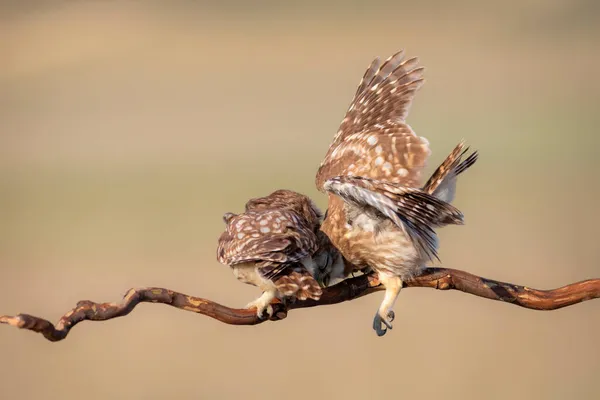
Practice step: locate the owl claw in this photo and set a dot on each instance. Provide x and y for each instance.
(382, 324)
(391, 315)
(268, 309)
(261, 309)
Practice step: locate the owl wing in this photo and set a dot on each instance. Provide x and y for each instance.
(375, 161)
(373, 140)
(411, 209)
(277, 241)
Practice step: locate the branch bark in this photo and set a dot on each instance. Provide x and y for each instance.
(436, 278)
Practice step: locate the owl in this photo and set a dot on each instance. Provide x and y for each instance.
(276, 244)
(380, 215)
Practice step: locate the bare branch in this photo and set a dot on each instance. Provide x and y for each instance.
(437, 278)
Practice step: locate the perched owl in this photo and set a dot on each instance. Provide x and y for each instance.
(380, 215)
(276, 244)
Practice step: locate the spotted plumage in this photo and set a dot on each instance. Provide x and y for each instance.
(412, 210)
(276, 245)
(380, 216)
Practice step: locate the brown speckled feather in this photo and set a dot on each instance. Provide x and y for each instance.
(379, 215)
(442, 181)
(275, 233)
(373, 161)
(275, 238)
(283, 199)
(411, 210)
(373, 140)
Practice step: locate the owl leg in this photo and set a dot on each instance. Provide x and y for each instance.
(385, 315)
(263, 303)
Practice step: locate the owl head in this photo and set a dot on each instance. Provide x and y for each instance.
(284, 199)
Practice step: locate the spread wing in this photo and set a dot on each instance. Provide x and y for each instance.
(373, 140)
(277, 241)
(375, 161)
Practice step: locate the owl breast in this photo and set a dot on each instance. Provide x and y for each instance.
(368, 241)
(248, 273)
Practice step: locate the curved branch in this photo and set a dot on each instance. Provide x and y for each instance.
(352, 288)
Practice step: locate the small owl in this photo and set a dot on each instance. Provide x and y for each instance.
(380, 215)
(276, 245)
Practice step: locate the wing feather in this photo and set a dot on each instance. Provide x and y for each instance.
(279, 236)
(300, 283)
(373, 140)
(276, 240)
(412, 210)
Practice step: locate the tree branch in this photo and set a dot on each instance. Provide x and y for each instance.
(436, 278)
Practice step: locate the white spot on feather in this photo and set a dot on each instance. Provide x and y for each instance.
(372, 140)
(379, 161)
(402, 172)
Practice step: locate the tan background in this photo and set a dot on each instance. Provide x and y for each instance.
(127, 130)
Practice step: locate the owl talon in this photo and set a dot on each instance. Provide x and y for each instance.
(391, 315)
(381, 324)
(268, 309)
(261, 309)
(262, 305)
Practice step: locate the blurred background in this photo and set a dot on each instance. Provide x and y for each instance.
(128, 128)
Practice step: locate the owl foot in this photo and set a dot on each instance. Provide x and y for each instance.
(260, 308)
(384, 317)
(382, 323)
(262, 304)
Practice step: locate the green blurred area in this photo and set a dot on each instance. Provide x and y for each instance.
(127, 129)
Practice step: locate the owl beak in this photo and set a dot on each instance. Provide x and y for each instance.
(323, 281)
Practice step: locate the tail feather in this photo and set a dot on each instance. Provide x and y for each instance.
(442, 183)
(300, 284)
(469, 161)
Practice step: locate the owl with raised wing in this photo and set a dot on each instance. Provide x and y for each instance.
(276, 244)
(380, 215)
